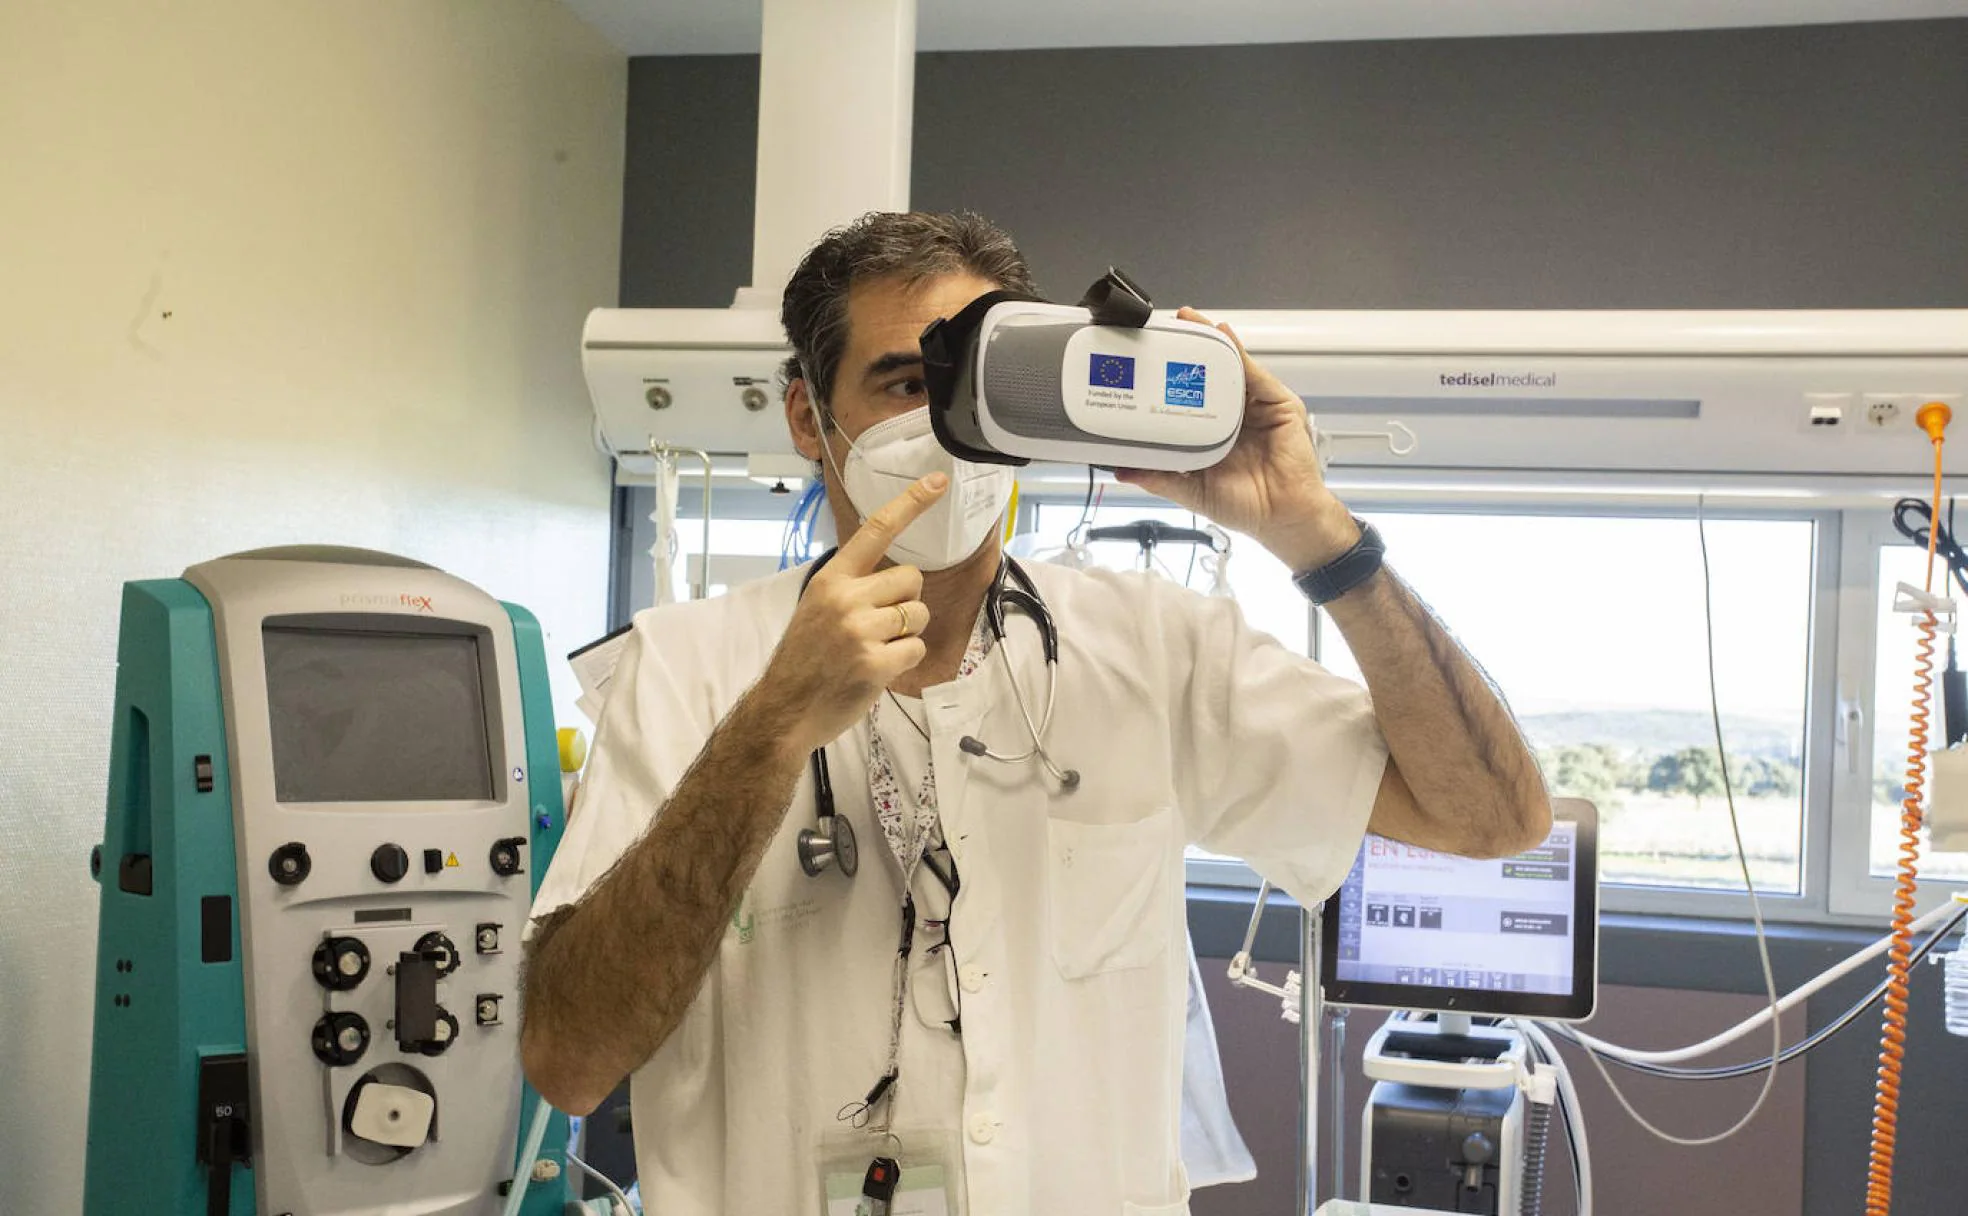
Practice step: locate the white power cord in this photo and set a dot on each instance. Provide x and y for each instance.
(1797, 997)
(615, 1192)
(1749, 885)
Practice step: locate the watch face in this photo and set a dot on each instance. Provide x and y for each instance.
(846, 851)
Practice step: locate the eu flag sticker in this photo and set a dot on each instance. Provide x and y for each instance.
(1185, 384)
(1111, 371)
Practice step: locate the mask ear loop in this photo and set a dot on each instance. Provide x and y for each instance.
(821, 421)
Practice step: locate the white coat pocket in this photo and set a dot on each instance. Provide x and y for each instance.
(1109, 885)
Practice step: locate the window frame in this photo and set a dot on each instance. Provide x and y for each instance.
(1854, 892)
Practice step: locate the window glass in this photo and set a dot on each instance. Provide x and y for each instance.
(741, 550)
(1895, 647)
(1592, 626)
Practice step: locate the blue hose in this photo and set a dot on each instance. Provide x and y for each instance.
(542, 1115)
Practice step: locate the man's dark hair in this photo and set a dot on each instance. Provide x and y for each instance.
(907, 245)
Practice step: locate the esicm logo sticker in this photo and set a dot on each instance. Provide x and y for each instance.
(1185, 384)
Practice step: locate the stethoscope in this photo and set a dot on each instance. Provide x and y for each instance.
(830, 842)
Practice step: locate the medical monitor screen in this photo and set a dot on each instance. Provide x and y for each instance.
(361, 716)
(1416, 929)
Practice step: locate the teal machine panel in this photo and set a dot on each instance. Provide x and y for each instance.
(549, 820)
(268, 1037)
(170, 993)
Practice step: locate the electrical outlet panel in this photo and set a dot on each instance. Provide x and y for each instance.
(1893, 414)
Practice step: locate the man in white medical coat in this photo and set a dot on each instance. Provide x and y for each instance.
(995, 1000)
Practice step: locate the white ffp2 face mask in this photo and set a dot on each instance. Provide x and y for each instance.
(895, 453)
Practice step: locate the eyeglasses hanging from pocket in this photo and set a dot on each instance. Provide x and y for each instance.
(933, 982)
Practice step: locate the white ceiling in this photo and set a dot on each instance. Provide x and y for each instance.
(714, 27)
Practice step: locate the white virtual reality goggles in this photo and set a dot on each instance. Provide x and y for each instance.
(1013, 379)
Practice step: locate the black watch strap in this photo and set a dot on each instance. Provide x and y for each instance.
(1347, 571)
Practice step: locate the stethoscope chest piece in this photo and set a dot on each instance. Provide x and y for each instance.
(831, 844)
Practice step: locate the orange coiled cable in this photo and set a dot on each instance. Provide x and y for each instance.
(1933, 418)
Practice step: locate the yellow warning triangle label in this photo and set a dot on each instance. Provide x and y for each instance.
(451, 862)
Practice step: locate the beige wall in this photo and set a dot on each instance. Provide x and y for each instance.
(269, 273)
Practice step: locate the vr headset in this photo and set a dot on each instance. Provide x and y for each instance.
(1013, 379)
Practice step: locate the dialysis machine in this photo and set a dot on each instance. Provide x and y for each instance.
(334, 783)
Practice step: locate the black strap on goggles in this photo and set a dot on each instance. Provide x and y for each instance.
(1114, 299)
(946, 347)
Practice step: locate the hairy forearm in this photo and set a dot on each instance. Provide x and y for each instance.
(608, 979)
(1451, 738)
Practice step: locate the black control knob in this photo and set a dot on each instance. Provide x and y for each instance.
(441, 951)
(340, 1038)
(290, 863)
(340, 963)
(505, 856)
(488, 937)
(389, 862)
(445, 1034)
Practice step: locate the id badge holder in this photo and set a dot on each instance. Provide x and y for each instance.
(925, 1165)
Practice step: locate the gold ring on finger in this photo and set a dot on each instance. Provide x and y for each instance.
(902, 627)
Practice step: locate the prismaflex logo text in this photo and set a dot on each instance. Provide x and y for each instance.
(414, 603)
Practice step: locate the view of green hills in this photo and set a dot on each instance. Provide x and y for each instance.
(1598, 754)
(1662, 730)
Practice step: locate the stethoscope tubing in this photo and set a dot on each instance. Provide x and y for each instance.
(831, 840)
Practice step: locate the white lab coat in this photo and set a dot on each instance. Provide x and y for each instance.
(1213, 1151)
(1185, 724)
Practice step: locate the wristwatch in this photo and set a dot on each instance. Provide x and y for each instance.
(1348, 570)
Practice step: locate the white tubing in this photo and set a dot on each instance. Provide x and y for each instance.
(664, 552)
(1574, 1113)
(628, 1209)
(1760, 1017)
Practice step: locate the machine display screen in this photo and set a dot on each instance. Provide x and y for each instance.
(1416, 929)
(360, 716)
